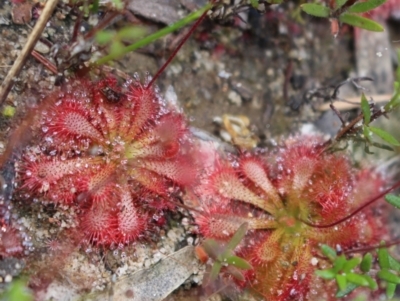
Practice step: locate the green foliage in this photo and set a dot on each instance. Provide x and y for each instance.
(17, 291)
(361, 22)
(363, 7)
(368, 117)
(95, 6)
(388, 276)
(115, 39)
(343, 271)
(118, 4)
(390, 267)
(395, 100)
(328, 252)
(274, 1)
(120, 49)
(366, 263)
(365, 109)
(384, 136)
(8, 111)
(224, 256)
(345, 14)
(355, 272)
(393, 200)
(340, 3)
(390, 290)
(254, 3)
(87, 6)
(316, 10)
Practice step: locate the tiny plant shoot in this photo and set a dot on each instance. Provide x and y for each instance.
(345, 11)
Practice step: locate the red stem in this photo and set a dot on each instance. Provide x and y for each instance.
(374, 199)
(370, 248)
(49, 65)
(171, 57)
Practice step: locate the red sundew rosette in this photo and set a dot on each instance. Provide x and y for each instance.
(305, 185)
(95, 138)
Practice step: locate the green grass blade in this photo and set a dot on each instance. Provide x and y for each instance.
(155, 36)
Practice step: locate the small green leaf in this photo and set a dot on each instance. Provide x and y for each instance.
(328, 252)
(388, 276)
(371, 282)
(131, 32)
(393, 200)
(339, 3)
(365, 109)
(339, 263)
(357, 279)
(216, 268)
(350, 287)
(316, 10)
(104, 37)
(384, 136)
(95, 6)
(363, 7)
(238, 262)
(326, 274)
(382, 146)
(366, 263)
(394, 264)
(254, 3)
(274, 1)
(341, 281)
(390, 290)
(237, 237)
(117, 48)
(398, 68)
(211, 247)
(17, 291)
(206, 278)
(351, 264)
(118, 4)
(366, 149)
(236, 273)
(367, 133)
(358, 21)
(383, 257)
(8, 111)
(395, 100)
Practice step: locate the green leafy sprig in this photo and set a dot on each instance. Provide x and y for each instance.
(17, 291)
(224, 256)
(360, 129)
(347, 11)
(351, 273)
(153, 37)
(115, 39)
(344, 271)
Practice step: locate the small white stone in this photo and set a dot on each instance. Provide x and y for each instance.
(314, 261)
(42, 48)
(8, 278)
(147, 263)
(234, 98)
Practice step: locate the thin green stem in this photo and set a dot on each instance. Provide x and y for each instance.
(155, 36)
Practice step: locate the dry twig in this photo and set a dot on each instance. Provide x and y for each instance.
(30, 43)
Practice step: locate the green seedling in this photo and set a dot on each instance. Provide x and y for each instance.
(346, 11)
(224, 256)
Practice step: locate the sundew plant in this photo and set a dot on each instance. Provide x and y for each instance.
(297, 221)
